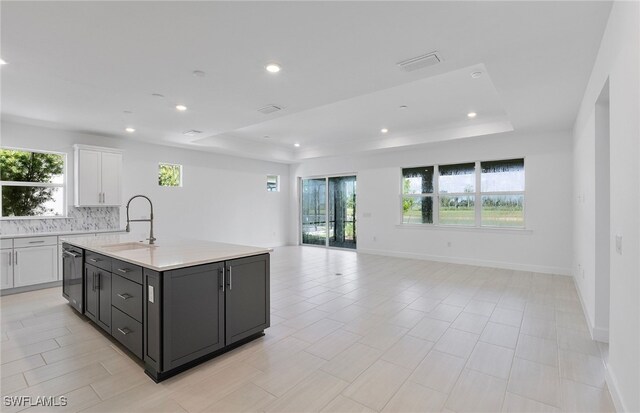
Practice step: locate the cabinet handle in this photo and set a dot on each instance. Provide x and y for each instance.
(10, 259)
(95, 259)
(221, 271)
(124, 331)
(230, 279)
(124, 270)
(15, 259)
(125, 296)
(98, 281)
(36, 242)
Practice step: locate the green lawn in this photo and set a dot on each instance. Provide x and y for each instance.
(497, 217)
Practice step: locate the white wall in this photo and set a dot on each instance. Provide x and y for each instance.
(223, 198)
(618, 61)
(544, 247)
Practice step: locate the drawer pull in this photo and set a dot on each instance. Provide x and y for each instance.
(36, 242)
(95, 259)
(124, 270)
(125, 296)
(125, 331)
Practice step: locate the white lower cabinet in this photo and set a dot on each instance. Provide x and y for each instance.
(6, 268)
(35, 265)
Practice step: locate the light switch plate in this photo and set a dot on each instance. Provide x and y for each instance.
(619, 244)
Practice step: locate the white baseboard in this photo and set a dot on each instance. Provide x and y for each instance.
(470, 261)
(616, 397)
(597, 333)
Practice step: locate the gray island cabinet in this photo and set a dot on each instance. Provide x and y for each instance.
(198, 301)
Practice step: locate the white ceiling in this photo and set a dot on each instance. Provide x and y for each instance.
(80, 65)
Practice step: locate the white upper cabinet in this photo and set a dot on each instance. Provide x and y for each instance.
(98, 176)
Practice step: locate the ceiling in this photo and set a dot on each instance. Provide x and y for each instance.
(94, 66)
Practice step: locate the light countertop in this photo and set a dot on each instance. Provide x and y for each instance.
(60, 233)
(165, 254)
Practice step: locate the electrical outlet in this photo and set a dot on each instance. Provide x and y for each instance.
(619, 244)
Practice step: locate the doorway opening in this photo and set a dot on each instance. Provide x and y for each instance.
(328, 211)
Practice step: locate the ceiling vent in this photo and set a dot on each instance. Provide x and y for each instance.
(420, 62)
(270, 109)
(191, 132)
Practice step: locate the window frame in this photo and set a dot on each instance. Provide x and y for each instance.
(180, 185)
(277, 189)
(63, 185)
(477, 196)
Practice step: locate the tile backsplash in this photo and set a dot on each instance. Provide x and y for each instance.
(78, 219)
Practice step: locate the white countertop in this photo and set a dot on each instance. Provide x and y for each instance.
(165, 254)
(60, 233)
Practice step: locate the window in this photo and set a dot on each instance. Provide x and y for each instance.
(33, 183)
(456, 190)
(273, 183)
(170, 175)
(502, 194)
(487, 194)
(417, 195)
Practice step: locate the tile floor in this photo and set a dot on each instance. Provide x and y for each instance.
(350, 333)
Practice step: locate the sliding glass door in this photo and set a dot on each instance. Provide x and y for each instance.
(314, 211)
(329, 211)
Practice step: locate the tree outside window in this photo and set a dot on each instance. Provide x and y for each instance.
(32, 183)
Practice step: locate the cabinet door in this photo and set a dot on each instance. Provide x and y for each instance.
(111, 178)
(35, 265)
(247, 297)
(104, 299)
(193, 310)
(88, 171)
(90, 292)
(6, 268)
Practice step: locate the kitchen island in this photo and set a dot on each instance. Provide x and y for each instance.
(173, 304)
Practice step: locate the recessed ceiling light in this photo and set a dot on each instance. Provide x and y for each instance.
(384, 130)
(198, 73)
(273, 68)
(181, 108)
(266, 137)
(297, 145)
(476, 75)
(403, 107)
(472, 115)
(2, 62)
(130, 130)
(157, 95)
(127, 112)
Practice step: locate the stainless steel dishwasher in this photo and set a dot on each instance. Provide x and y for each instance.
(72, 276)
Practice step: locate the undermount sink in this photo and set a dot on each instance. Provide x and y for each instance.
(125, 246)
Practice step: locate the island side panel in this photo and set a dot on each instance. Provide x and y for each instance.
(152, 292)
(192, 314)
(247, 297)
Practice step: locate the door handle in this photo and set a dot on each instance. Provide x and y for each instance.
(230, 279)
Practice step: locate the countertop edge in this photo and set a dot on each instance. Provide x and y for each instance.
(60, 233)
(169, 267)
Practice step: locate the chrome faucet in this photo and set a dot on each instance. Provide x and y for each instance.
(150, 220)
